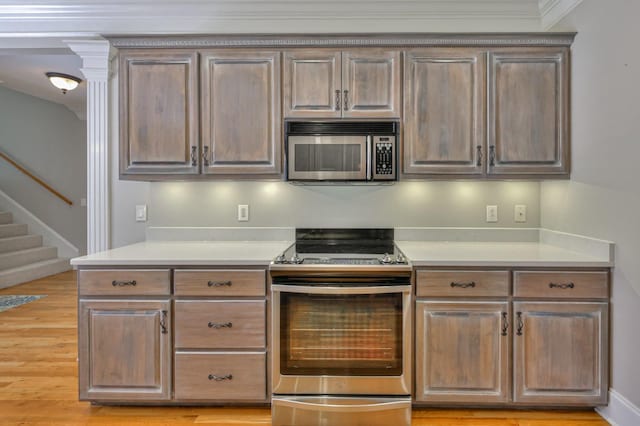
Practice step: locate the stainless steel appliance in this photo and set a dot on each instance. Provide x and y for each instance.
(341, 339)
(360, 151)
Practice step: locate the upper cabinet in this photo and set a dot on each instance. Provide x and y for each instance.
(158, 112)
(325, 83)
(241, 120)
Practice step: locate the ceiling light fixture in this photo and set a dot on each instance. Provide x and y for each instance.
(64, 82)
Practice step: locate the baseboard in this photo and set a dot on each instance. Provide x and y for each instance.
(36, 226)
(620, 411)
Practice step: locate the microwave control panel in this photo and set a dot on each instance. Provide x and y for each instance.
(384, 152)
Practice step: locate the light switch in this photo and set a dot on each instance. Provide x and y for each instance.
(520, 213)
(492, 213)
(141, 213)
(243, 212)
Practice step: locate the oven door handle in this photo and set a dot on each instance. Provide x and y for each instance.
(345, 406)
(306, 289)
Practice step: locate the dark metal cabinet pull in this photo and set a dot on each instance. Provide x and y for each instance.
(123, 283)
(219, 283)
(492, 155)
(220, 378)
(561, 286)
(337, 100)
(479, 150)
(472, 284)
(505, 324)
(205, 155)
(346, 100)
(520, 323)
(194, 156)
(163, 322)
(218, 325)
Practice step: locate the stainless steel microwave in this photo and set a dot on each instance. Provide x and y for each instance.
(341, 151)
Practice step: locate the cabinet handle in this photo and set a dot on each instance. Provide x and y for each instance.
(479, 150)
(218, 325)
(219, 283)
(346, 100)
(520, 323)
(123, 283)
(163, 323)
(561, 286)
(194, 156)
(472, 284)
(492, 155)
(220, 378)
(337, 100)
(505, 324)
(205, 156)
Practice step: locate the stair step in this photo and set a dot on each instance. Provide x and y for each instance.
(18, 258)
(6, 217)
(33, 271)
(22, 242)
(12, 230)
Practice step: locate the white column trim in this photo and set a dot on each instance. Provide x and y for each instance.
(620, 411)
(96, 56)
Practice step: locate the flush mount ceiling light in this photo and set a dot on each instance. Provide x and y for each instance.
(63, 82)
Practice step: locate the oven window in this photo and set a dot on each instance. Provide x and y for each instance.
(341, 335)
(328, 158)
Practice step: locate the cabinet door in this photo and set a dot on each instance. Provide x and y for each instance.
(158, 113)
(312, 83)
(444, 112)
(371, 85)
(124, 348)
(241, 121)
(560, 353)
(462, 352)
(529, 112)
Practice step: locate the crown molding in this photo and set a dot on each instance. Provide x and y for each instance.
(552, 11)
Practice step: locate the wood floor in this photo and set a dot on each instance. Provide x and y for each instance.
(39, 378)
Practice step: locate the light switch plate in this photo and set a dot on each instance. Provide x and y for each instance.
(141, 213)
(520, 213)
(243, 212)
(492, 213)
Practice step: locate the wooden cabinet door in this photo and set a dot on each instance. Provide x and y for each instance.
(529, 111)
(312, 83)
(124, 348)
(560, 353)
(462, 352)
(158, 113)
(241, 121)
(444, 113)
(371, 83)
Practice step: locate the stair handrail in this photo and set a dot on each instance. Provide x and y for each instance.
(35, 178)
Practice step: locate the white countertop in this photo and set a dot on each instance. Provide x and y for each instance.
(532, 254)
(202, 253)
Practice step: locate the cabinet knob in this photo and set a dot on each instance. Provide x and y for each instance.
(218, 325)
(346, 100)
(505, 324)
(520, 323)
(337, 100)
(220, 378)
(563, 286)
(479, 150)
(131, 283)
(205, 156)
(163, 322)
(472, 284)
(219, 283)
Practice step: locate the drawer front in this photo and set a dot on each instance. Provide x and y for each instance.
(220, 282)
(218, 324)
(561, 285)
(435, 283)
(124, 282)
(220, 376)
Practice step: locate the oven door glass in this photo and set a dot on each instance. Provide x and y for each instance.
(327, 157)
(341, 335)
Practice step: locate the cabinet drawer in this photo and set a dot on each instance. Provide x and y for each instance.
(219, 282)
(218, 324)
(124, 282)
(434, 283)
(220, 376)
(561, 285)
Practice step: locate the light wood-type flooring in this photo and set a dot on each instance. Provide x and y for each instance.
(39, 378)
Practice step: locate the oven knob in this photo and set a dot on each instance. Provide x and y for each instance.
(295, 259)
(400, 258)
(386, 259)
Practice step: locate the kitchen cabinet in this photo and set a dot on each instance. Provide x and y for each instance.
(328, 83)
(241, 119)
(158, 113)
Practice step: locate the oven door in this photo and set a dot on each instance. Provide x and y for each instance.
(327, 157)
(341, 340)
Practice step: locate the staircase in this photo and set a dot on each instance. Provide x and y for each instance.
(23, 257)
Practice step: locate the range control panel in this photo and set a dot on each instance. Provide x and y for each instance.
(384, 152)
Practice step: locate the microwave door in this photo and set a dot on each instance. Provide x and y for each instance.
(327, 157)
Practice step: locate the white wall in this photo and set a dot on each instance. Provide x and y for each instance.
(602, 199)
(50, 141)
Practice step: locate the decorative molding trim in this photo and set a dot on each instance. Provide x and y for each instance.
(96, 56)
(346, 40)
(552, 11)
(620, 411)
(37, 226)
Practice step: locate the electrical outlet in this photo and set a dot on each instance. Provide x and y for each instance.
(243, 212)
(141, 213)
(492, 213)
(520, 213)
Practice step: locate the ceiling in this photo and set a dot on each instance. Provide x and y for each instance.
(32, 34)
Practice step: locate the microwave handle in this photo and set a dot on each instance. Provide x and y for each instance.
(369, 156)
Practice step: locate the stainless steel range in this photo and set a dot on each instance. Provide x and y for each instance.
(341, 330)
